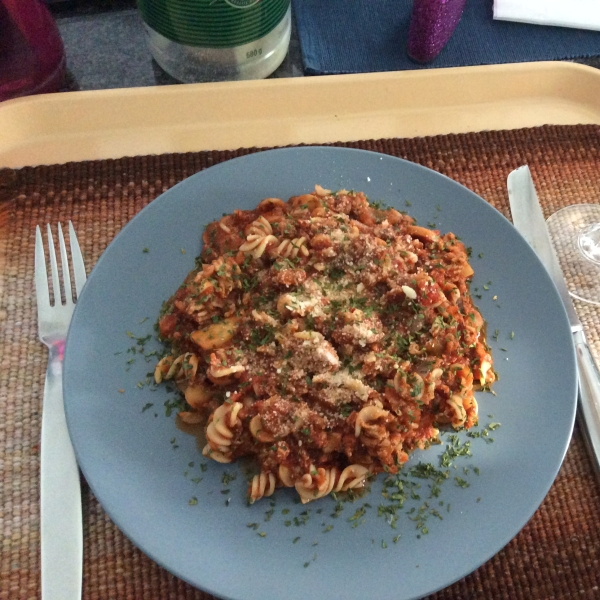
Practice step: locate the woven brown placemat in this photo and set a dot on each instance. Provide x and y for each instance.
(557, 555)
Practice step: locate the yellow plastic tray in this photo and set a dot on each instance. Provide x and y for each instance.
(75, 126)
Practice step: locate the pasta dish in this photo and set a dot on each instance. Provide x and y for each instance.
(328, 338)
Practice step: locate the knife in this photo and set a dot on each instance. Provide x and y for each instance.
(529, 220)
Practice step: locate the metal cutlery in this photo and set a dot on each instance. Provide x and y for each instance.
(529, 221)
(60, 491)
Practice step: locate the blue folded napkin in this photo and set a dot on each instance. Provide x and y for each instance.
(361, 36)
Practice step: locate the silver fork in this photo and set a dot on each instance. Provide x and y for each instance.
(60, 491)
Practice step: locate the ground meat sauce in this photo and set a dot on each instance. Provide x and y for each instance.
(326, 337)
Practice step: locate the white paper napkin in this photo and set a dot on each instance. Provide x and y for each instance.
(581, 14)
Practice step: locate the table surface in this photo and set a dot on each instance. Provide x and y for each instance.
(106, 49)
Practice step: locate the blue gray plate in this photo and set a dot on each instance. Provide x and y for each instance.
(193, 519)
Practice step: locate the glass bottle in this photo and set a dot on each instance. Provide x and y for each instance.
(217, 40)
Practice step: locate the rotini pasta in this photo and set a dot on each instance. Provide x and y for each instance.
(321, 482)
(261, 486)
(220, 431)
(290, 248)
(259, 236)
(327, 338)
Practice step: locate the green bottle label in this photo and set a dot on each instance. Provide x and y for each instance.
(213, 23)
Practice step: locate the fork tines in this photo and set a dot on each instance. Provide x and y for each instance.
(41, 274)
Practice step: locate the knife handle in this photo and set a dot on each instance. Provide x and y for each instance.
(589, 394)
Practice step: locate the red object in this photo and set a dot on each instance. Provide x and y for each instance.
(32, 55)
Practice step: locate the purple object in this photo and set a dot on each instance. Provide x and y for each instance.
(431, 26)
(32, 56)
